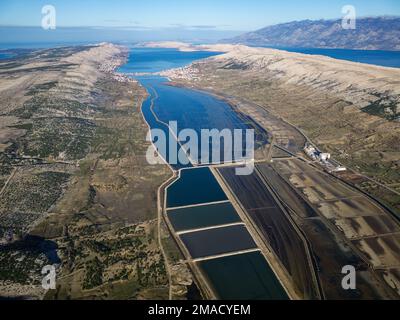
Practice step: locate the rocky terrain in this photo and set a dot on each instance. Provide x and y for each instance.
(348, 109)
(375, 33)
(75, 188)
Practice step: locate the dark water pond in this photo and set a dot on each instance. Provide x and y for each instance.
(218, 241)
(243, 277)
(203, 216)
(195, 186)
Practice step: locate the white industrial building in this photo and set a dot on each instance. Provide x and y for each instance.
(324, 158)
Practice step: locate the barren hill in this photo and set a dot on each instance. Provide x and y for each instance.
(381, 33)
(348, 109)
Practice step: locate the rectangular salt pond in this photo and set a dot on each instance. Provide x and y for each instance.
(218, 241)
(203, 216)
(195, 186)
(243, 277)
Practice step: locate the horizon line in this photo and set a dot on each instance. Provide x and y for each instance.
(194, 28)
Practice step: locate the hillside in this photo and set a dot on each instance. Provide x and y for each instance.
(380, 33)
(348, 109)
(72, 144)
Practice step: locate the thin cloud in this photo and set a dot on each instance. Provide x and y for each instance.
(204, 27)
(197, 27)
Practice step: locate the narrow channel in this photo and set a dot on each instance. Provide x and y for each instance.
(203, 218)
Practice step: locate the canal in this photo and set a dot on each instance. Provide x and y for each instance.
(197, 207)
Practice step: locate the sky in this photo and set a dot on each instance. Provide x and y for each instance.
(211, 14)
(184, 18)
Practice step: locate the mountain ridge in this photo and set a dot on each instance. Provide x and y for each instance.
(371, 33)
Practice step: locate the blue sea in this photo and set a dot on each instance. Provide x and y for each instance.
(375, 57)
(5, 55)
(162, 59)
(150, 60)
(40, 45)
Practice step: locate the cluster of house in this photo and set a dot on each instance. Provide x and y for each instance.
(110, 66)
(187, 73)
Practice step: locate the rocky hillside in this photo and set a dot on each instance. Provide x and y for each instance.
(348, 109)
(72, 156)
(381, 33)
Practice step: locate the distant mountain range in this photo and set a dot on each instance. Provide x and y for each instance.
(378, 33)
